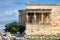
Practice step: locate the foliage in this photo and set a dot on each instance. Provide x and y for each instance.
(22, 29)
(12, 27)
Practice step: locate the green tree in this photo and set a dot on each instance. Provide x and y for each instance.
(22, 29)
(12, 27)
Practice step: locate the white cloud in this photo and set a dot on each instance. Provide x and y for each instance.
(9, 15)
(11, 12)
(6, 12)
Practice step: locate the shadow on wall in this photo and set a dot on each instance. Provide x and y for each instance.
(22, 30)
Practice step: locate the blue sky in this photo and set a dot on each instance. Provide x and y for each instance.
(9, 8)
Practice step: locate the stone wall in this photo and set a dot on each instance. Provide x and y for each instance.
(22, 17)
(55, 19)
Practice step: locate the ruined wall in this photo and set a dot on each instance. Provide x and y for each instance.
(55, 19)
(55, 11)
(22, 17)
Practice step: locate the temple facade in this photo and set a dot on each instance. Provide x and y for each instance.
(40, 19)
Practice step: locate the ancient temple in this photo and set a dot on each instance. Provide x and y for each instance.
(40, 19)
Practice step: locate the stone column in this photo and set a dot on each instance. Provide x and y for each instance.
(35, 17)
(42, 17)
(27, 18)
(47, 19)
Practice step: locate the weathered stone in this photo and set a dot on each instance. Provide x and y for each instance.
(47, 24)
